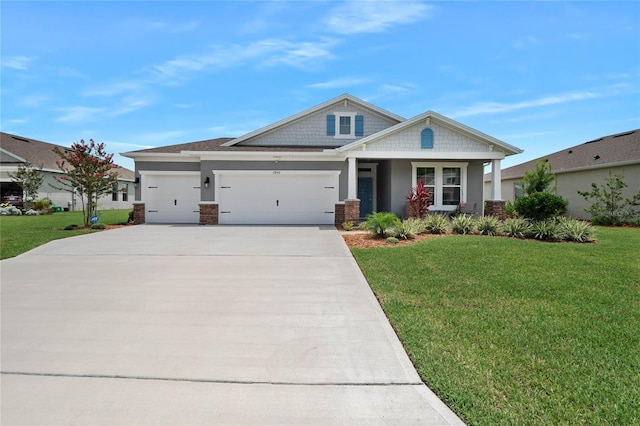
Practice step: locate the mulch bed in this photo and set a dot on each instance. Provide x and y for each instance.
(358, 239)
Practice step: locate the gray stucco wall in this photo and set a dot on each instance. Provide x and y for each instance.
(475, 186)
(569, 183)
(312, 130)
(208, 166)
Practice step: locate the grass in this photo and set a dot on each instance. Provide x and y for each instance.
(522, 332)
(19, 234)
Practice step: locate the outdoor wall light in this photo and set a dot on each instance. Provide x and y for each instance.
(136, 181)
(206, 182)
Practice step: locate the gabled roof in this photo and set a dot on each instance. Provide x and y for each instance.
(620, 148)
(440, 119)
(345, 97)
(40, 154)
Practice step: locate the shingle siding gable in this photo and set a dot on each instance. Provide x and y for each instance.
(444, 140)
(312, 130)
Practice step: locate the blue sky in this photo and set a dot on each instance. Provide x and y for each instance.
(538, 75)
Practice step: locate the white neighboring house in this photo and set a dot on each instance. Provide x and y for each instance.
(17, 150)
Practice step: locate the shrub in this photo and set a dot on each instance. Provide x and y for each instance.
(547, 230)
(31, 212)
(635, 221)
(410, 227)
(70, 227)
(436, 224)
(419, 200)
(98, 226)
(515, 227)
(392, 240)
(463, 224)
(578, 231)
(42, 204)
(379, 223)
(510, 209)
(488, 225)
(608, 205)
(347, 226)
(541, 206)
(10, 211)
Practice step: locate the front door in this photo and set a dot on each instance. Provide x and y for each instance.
(365, 194)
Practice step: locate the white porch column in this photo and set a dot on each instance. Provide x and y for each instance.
(353, 179)
(496, 180)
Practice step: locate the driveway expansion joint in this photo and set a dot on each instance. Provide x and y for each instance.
(221, 381)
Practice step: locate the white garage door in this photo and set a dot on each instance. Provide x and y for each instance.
(277, 197)
(171, 198)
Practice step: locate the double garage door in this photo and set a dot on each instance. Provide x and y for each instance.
(276, 197)
(245, 197)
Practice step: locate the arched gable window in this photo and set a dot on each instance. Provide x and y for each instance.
(426, 139)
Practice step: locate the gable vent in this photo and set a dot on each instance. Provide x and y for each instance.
(624, 134)
(20, 139)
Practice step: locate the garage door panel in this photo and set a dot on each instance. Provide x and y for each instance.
(265, 198)
(172, 198)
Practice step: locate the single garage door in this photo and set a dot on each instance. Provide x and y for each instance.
(277, 197)
(171, 198)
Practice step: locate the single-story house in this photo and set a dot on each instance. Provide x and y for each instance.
(577, 167)
(337, 161)
(19, 150)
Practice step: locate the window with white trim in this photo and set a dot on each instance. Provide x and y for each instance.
(345, 125)
(448, 182)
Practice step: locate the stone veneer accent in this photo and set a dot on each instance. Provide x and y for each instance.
(339, 214)
(352, 210)
(208, 214)
(496, 208)
(138, 213)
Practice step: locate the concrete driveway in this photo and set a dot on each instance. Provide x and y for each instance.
(156, 324)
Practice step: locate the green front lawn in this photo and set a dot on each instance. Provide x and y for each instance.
(511, 331)
(19, 234)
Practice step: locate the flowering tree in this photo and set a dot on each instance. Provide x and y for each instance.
(89, 171)
(30, 179)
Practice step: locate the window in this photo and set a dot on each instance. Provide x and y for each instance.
(518, 190)
(428, 176)
(125, 192)
(114, 192)
(426, 139)
(451, 185)
(446, 180)
(345, 125)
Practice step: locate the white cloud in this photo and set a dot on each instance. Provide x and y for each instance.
(375, 16)
(130, 104)
(225, 131)
(269, 52)
(32, 101)
(500, 107)
(114, 88)
(78, 113)
(339, 82)
(17, 62)
(159, 138)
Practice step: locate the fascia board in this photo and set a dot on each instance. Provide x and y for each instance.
(491, 155)
(266, 156)
(11, 154)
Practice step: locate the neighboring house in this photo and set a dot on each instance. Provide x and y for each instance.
(576, 168)
(16, 150)
(337, 161)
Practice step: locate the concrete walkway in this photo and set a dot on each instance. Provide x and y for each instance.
(158, 324)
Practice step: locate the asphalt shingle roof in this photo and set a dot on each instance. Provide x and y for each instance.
(618, 148)
(216, 145)
(41, 154)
